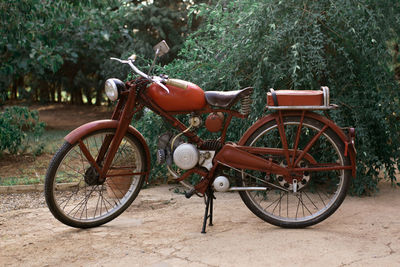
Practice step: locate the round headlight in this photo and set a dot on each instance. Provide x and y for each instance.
(111, 89)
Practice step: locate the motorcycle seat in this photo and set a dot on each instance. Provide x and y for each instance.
(226, 99)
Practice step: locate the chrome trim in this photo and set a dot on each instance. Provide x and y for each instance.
(331, 106)
(247, 189)
(325, 89)
(111, 87)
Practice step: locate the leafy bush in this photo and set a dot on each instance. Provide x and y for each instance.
(151, 127)
(19, 129)
(304, 45)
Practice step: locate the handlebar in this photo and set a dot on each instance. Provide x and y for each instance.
(157, 80)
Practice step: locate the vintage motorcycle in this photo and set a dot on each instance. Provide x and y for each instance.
(291, 168)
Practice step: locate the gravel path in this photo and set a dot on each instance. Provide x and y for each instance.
(18, 201)
(163, 229)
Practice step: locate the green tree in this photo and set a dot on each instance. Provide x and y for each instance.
(54, 46)
(304, 45)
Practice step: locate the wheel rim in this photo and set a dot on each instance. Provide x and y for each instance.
(79, 197)
(316, 196)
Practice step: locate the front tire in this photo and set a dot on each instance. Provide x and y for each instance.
(319, 193)
(73, 192)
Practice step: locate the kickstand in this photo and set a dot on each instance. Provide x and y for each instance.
(208, 198)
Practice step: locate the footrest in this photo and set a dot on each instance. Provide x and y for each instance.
(300, 99)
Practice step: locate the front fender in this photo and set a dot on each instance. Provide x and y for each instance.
(322, 119)
(74, 136)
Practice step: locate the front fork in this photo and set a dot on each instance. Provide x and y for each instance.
(111, 143)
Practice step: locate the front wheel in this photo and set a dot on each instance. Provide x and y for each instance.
(320, 188)
(74, 193)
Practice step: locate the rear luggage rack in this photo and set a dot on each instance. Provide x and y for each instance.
(299, 100)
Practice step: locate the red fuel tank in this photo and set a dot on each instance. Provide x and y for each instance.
(182, 96)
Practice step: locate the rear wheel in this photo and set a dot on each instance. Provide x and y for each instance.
(319, 192)
(74, 193)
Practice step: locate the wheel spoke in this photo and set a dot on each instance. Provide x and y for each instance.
(97, 203)
(287, 205)
(121, 151)
(82, 202)
(112, 189)
(70, 196)
(278, 199)
(82, 174)
(303, 205)
(278, 203)
(321, 198)
(297, 209)
(82, 160)
(312, 202)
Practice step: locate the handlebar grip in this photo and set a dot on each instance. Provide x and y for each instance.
(132, 57)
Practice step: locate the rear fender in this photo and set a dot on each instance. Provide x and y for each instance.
(349, 146)
(74, 136)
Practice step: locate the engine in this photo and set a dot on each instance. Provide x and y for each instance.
(173, 149)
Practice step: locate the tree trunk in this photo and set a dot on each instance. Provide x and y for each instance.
(73, 96)
(76, 96)
(14, 89)
(89, 96)
(99, 91)
(36, 94)
(79, 97)
(59, 93)
(53, 93)
(395, 61)
(21, 83)
(44, 92)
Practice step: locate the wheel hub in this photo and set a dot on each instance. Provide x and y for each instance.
(92, 177)
(302, 178)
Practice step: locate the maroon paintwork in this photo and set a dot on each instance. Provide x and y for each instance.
(185, 98)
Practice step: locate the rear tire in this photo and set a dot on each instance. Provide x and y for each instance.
(320, 193)
(74, 196)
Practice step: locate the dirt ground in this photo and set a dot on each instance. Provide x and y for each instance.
(162, 228)
(68, 117)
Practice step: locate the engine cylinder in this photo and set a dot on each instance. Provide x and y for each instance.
(186, 156)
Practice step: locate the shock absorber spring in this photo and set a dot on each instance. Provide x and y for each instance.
(245, 105)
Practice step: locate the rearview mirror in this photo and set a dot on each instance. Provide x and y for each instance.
(161, 48)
